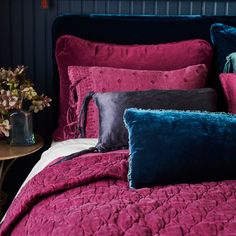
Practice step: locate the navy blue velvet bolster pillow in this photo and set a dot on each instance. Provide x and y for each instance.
(170, 146)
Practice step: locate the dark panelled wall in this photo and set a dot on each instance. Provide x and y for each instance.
(25, 28)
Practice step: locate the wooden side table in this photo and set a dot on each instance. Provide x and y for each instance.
(9, 154)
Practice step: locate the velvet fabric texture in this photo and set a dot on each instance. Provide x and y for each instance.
(108, 79)
(90, 196)
(129, 30)
(168, 147)
(228, 82)
(125, 29)
(112, 133)
(224, 41)
(72, 50)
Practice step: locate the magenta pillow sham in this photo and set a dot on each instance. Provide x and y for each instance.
(228, 81)
(71, 50)
(108, 79)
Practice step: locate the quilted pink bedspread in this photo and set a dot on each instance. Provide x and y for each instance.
(90, 196)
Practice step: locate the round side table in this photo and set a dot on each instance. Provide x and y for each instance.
(9, 154)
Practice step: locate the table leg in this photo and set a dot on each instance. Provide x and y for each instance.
(3, 171)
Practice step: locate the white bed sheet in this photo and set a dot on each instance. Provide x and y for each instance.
(59, 149)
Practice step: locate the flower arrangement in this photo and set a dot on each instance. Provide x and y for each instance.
(17, 92)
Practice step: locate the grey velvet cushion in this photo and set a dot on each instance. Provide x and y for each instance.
(113, 134)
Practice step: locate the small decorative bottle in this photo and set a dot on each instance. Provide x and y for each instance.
(21, 132)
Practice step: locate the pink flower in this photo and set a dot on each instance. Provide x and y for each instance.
(5, 127)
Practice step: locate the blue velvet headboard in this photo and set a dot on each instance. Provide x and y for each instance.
(125, 29)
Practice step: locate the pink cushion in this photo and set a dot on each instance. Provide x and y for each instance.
(228, 82)
(71, 50)
(107, 79)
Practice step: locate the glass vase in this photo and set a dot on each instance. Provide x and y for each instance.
(21, 133)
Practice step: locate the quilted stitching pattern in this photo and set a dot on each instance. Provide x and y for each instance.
(106, 79)
(90, 196)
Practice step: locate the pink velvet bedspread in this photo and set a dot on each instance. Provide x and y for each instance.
(89, 195)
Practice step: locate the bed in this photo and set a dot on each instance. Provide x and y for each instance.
(90, 194)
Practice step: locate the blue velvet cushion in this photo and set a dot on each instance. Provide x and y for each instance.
(224, 40)
(170, 146)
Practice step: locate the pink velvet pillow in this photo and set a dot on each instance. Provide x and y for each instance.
(71, 50)
(228, 82)
(107, 79)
